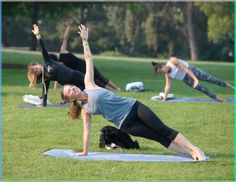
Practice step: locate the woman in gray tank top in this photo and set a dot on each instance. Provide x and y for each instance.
(181, 70)
(129, 115)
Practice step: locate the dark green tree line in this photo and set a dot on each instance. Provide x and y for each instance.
(191, 30)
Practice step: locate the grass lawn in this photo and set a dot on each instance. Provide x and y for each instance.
(27, 133)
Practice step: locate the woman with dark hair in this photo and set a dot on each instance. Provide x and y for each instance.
(181, 70)
(51, 71)
(73, 62)
(130, 115)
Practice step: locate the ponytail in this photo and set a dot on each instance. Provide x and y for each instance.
(75, 108)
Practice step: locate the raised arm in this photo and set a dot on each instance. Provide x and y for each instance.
(89, 74)
(38, 36)
(66, 35)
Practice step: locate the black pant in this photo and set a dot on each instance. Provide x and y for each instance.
(142, 122)
(99, 79)
(203, 76)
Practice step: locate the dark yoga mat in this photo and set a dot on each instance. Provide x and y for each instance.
(106, 156)
(27, 105)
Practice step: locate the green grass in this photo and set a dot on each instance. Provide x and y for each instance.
(27, 133)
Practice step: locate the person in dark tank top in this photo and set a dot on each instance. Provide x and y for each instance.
(76, 63)
(129, 115)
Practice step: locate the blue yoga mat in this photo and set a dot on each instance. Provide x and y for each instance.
(104, 156)
(187, 99)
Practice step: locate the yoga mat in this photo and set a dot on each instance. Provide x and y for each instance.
(186, 99)
(106, 156)
(27, 105)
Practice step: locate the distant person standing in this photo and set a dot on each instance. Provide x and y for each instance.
(181, 70)
(73, 62)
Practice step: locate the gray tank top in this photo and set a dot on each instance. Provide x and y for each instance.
(112, 107)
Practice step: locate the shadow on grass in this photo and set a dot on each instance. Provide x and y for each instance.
(220, 155)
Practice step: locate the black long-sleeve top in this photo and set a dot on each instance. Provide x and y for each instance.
(54, 71)
(75, 63)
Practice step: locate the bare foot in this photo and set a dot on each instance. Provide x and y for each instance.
(230, 86)
(219, 99)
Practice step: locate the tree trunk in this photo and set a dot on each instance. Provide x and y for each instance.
(4, 32)
(191, 32)
(35, 19)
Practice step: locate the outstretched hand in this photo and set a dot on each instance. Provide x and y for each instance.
(68, 22)
(83, 31)
(35, 30)
(80, 154)
(196, 83)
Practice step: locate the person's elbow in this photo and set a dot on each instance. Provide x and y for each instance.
(88, 57)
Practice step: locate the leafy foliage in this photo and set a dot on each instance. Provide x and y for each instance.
(156, 29)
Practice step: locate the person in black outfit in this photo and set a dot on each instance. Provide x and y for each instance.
(76, 63)
(51, 71)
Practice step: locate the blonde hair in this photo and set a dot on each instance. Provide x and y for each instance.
(34, 77)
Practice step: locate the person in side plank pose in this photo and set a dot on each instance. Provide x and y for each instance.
(178, 69)
(51, 71)
(74, 62)
(129, 115)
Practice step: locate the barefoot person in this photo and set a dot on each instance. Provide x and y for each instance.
(180, 70)
(51, 71)
(73, 62)
(128, 114)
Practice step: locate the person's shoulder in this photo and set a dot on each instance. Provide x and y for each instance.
(173, 60)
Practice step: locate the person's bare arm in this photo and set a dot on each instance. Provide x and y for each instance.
(89, 74)
(188, 71)
(86, 132)
(167, 87)
(66, 36)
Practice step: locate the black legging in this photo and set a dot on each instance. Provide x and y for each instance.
(142, 122)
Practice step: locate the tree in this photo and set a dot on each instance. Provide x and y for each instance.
(220, 27)
(35, 20)
(188, 16)
(220, 19)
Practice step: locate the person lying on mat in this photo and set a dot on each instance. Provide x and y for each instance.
(73, 62)
(51, 71)
(181, 70)
(128, 114)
